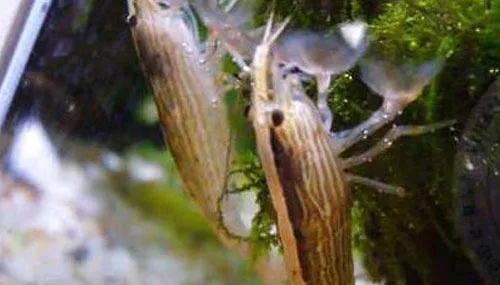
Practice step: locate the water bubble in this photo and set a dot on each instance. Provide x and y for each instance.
(273, 230)
(494, 70)
(214, 102)
(187, 48)
(468, 164)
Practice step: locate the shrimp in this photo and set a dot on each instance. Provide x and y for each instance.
(306, 176)
(188, 91)
(188, 97)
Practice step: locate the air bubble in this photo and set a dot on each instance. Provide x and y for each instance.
(273, 231)
(494, 71)
(468, 164)
(214, 102)
(186, 48)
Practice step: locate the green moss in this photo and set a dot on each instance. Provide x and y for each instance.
(249, 176)
(242, 132)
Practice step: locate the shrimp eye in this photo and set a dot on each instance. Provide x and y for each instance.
(132, 21)
(247, 110)
(277, 117)
(163, 5)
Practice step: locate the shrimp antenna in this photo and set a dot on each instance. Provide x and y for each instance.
(280, 29)
(231, 5)
(269, 36)
(269, 26)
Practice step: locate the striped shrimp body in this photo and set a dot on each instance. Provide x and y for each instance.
(307, 178)
(304, 177)
(188, 97)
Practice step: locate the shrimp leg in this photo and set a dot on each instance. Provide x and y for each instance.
(346, 139)
(389, 138)
(380, 186)
(399, 86)
(323, 81)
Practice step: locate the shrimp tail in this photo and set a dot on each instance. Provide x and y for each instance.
(355, 35)
(230, 24)
(398, 84)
